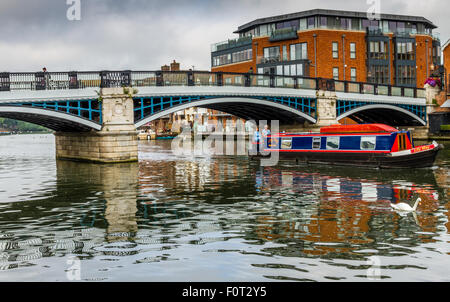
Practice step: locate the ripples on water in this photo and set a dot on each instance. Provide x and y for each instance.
(215, 219)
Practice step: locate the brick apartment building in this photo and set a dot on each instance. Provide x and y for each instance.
(395, 50)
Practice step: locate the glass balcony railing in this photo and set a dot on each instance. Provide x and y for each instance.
(231, 43)
(288, 33)
(268, 60)
(437, 36)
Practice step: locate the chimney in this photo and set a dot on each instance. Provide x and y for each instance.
(174, 66)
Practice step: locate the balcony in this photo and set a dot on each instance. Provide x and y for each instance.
(403, 34)
(231, 43)
(437, 36)
(289, 33)
(268, 60)
(371, 31)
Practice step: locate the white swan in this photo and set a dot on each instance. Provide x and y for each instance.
(404, 207)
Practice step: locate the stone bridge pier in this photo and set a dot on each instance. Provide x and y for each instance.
(326, 108)
(117, 140)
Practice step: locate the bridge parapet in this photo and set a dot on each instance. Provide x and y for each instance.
(128, 78)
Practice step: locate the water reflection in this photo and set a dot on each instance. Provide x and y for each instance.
(118, 187)
(338, 214)
(225, 219)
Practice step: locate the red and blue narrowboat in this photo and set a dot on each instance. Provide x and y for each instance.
(368, 145)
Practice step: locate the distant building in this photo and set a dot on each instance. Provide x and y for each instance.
(199, 119)
(174, 66)
(347, 46)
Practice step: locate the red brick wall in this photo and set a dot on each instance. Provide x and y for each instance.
(421, 58)
(325, 60)
(236, 67)
(446, 55)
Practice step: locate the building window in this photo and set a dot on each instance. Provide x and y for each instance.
(323, 22)
(299, 51)
(263, 30)
(385, 26)
(406, 75)
(378, 50)
(287, 24)
(222, 60)
(271, 54)
(303, 24)
(400, 27)
(279, 70)
(243, 55)
(234, 57)
(353, 74)
(335, 50)
(392, 26)
(336, 73)
(285, 55)
(378, 74)
(405, 51)
(352, 50)
(436, 55)
(311, 22)
(346, 23)
(370, 24)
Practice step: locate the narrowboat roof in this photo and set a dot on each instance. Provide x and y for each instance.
(364, 128)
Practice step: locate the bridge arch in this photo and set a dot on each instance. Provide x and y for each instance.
(384, 113)
(247, 108)
(51, 119)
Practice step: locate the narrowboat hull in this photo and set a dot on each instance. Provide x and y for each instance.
(366, 145)
(414, 158)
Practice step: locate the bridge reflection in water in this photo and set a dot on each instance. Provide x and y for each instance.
(145, 208)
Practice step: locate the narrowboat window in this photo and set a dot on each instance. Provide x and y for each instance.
(368, 142)
(333, 142)
(286, 143)
(316, 142)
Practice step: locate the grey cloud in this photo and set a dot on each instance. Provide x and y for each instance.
(140, 34)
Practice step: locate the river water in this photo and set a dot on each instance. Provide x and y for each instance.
(171, 218)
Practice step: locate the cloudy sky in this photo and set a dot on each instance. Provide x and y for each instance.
(145, 34)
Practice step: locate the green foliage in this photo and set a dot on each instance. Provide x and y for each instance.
(100, 98)
(14, 125)
(130, 94)
(445, 127)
